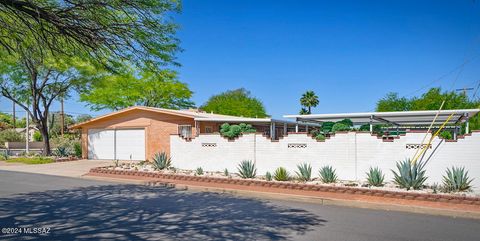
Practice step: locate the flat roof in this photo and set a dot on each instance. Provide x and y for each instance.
(401, 118)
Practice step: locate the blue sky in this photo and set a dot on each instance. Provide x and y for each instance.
(351, 53)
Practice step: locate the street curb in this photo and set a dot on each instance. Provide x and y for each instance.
(324, 198)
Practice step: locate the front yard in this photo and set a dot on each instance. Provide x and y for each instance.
(30, 160)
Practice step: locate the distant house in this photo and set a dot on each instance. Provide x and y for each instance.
(138, 132)
(31, 131)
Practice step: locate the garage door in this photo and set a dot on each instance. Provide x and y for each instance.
(127, 144)
(101, 144)
(130, 144)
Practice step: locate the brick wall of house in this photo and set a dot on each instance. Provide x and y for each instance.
(158, 128)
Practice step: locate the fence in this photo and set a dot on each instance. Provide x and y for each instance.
(350, 153)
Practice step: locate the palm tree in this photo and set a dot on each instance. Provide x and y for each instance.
(309, 99)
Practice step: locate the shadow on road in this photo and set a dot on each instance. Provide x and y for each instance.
(134, 212)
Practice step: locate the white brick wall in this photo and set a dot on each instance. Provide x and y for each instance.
(351, 154)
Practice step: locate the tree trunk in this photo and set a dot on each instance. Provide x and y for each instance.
(43, 128)
(309, 110)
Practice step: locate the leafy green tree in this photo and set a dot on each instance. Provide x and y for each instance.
(392, 102)
(6, 121)
(83, 118)
(161, 89)
(237, 102)
(309, 99)
(431, 100)
(136, 31)
(35, 83)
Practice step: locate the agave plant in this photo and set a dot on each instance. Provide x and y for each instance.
(410, 176)
(281, 174)
(375, 177)
(247, 169)
(304, 172)
(457, 180)
(161, 161)
(328, 174)
(268, 176)
(199, 171)
(61, 151)
(3, 155)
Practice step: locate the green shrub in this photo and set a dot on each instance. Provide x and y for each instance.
(77, 149)
(457, 180)
(447, 135)
(410, 175)
(281, 174)
(327, 126)
(161, 161)
(268, 176)
(37, 136)
(199, 171)
(375, 177)
(232, 131)
(247, 169)
(225, 172)
(328, 174)
(320, 137)
(340, 127)
(346, 122)
(10, 136)
(304, 172)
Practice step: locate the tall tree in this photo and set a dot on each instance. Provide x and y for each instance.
(137, 31)
(49, 48)
(309, 99)
(34, 84)
(120, 91)
(237, 102)
(430, 100)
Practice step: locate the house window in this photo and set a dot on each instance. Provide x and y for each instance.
(185, 131)
(208, 129)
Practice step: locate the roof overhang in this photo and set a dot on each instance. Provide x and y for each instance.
(400, 118)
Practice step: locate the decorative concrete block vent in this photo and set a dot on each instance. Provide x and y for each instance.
(297, 145)
(417, 146)
(209, 144)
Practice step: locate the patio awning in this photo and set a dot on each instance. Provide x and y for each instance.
(398, 118)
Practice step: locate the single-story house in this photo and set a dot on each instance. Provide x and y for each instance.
(138, 132)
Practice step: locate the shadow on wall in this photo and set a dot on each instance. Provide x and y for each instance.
(134, 212)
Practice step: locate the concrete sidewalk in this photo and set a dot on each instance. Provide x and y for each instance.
(66, 169)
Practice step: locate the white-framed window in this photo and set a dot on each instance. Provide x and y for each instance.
(208, 129)
(185, 131)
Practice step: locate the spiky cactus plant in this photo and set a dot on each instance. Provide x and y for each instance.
(410, 176)
(268, 176)
(327, 174)
(375, 177)
(281, 174)
(457, 180)
(247, 169)
(304, 172)
(161, 161)
(199, 171)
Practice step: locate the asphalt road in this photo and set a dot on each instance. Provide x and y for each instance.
(77, 209)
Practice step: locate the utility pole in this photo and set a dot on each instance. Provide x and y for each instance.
(13, 115)
(62, 116)
(27, 136)
(464, 90)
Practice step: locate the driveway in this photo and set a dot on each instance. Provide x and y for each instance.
(80, 209)
(67, 169)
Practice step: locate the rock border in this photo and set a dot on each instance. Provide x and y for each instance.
(453, 199)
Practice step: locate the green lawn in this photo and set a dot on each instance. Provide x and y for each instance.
(31, 160)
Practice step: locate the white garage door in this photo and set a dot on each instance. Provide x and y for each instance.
(101, 144)
(128, 144)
